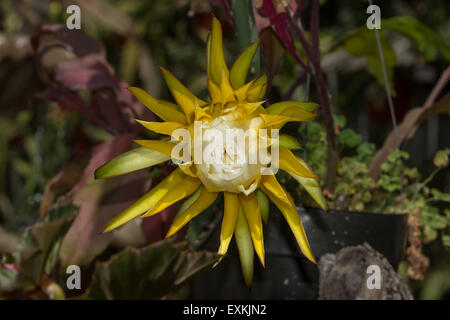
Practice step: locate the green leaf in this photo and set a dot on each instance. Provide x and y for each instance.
(8, 281)
(349, 138)
(430, 233)
(152, 272)
(362, 43)
(422, 37)
(132, 160)
(441, 158)
(37, 254)
(440, 196)
(446, 240)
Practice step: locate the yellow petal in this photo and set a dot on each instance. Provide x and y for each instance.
(174, 84)
(242, 92)
(172, 105)
(290, 163)
(278, 107)
(160, 109)
(186, 104)
(228, 221)
(312, 186)
(274, 120)
(293, 219)
(245, 247)
(298, 114)
(132, 160)
(165, 147)
(258, 89)
(161, 127)
(214, 92)
(263, 203)
(289, 142)
(271, 184)
(204, 200)
(176, 193)
(251, 107)
(239, 70)
(251, 210)
(226, 90)
(217, 59)
(147, 201)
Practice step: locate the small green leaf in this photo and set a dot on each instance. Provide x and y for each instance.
(441, 158)
(349, 138)
(446, 240)
(422, 37)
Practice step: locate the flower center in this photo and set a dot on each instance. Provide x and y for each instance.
(228, 164)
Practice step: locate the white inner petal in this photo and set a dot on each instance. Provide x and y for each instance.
(228, 169)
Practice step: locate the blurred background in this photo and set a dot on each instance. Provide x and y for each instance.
(64, 110)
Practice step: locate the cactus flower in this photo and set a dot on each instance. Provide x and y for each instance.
(233, 104)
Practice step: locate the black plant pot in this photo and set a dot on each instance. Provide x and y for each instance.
(288, 274)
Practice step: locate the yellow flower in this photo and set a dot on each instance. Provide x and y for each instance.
(233, 104)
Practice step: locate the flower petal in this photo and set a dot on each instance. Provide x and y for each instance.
(289, 142)
(186, 103)
(164, 147)
(204, 200)
(290, 163)
(158, 107)
(263, 203)
(226, 90)
(147, 201)
(174, 84)
(298, 114)
(251, 210)
(228, 221)
(245, 247)
(271, 120)
(278, 107)
(258, 89)
(161, 127)
(217, 60)
(239, 70)
(242, 92)
(214, 92)
(293, 219)
(132, 160)
(271, 184)
(312, 186)
(187, 187)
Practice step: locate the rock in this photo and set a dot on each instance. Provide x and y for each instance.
(359, 273)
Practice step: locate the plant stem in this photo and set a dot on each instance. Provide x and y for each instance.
(313, 53)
